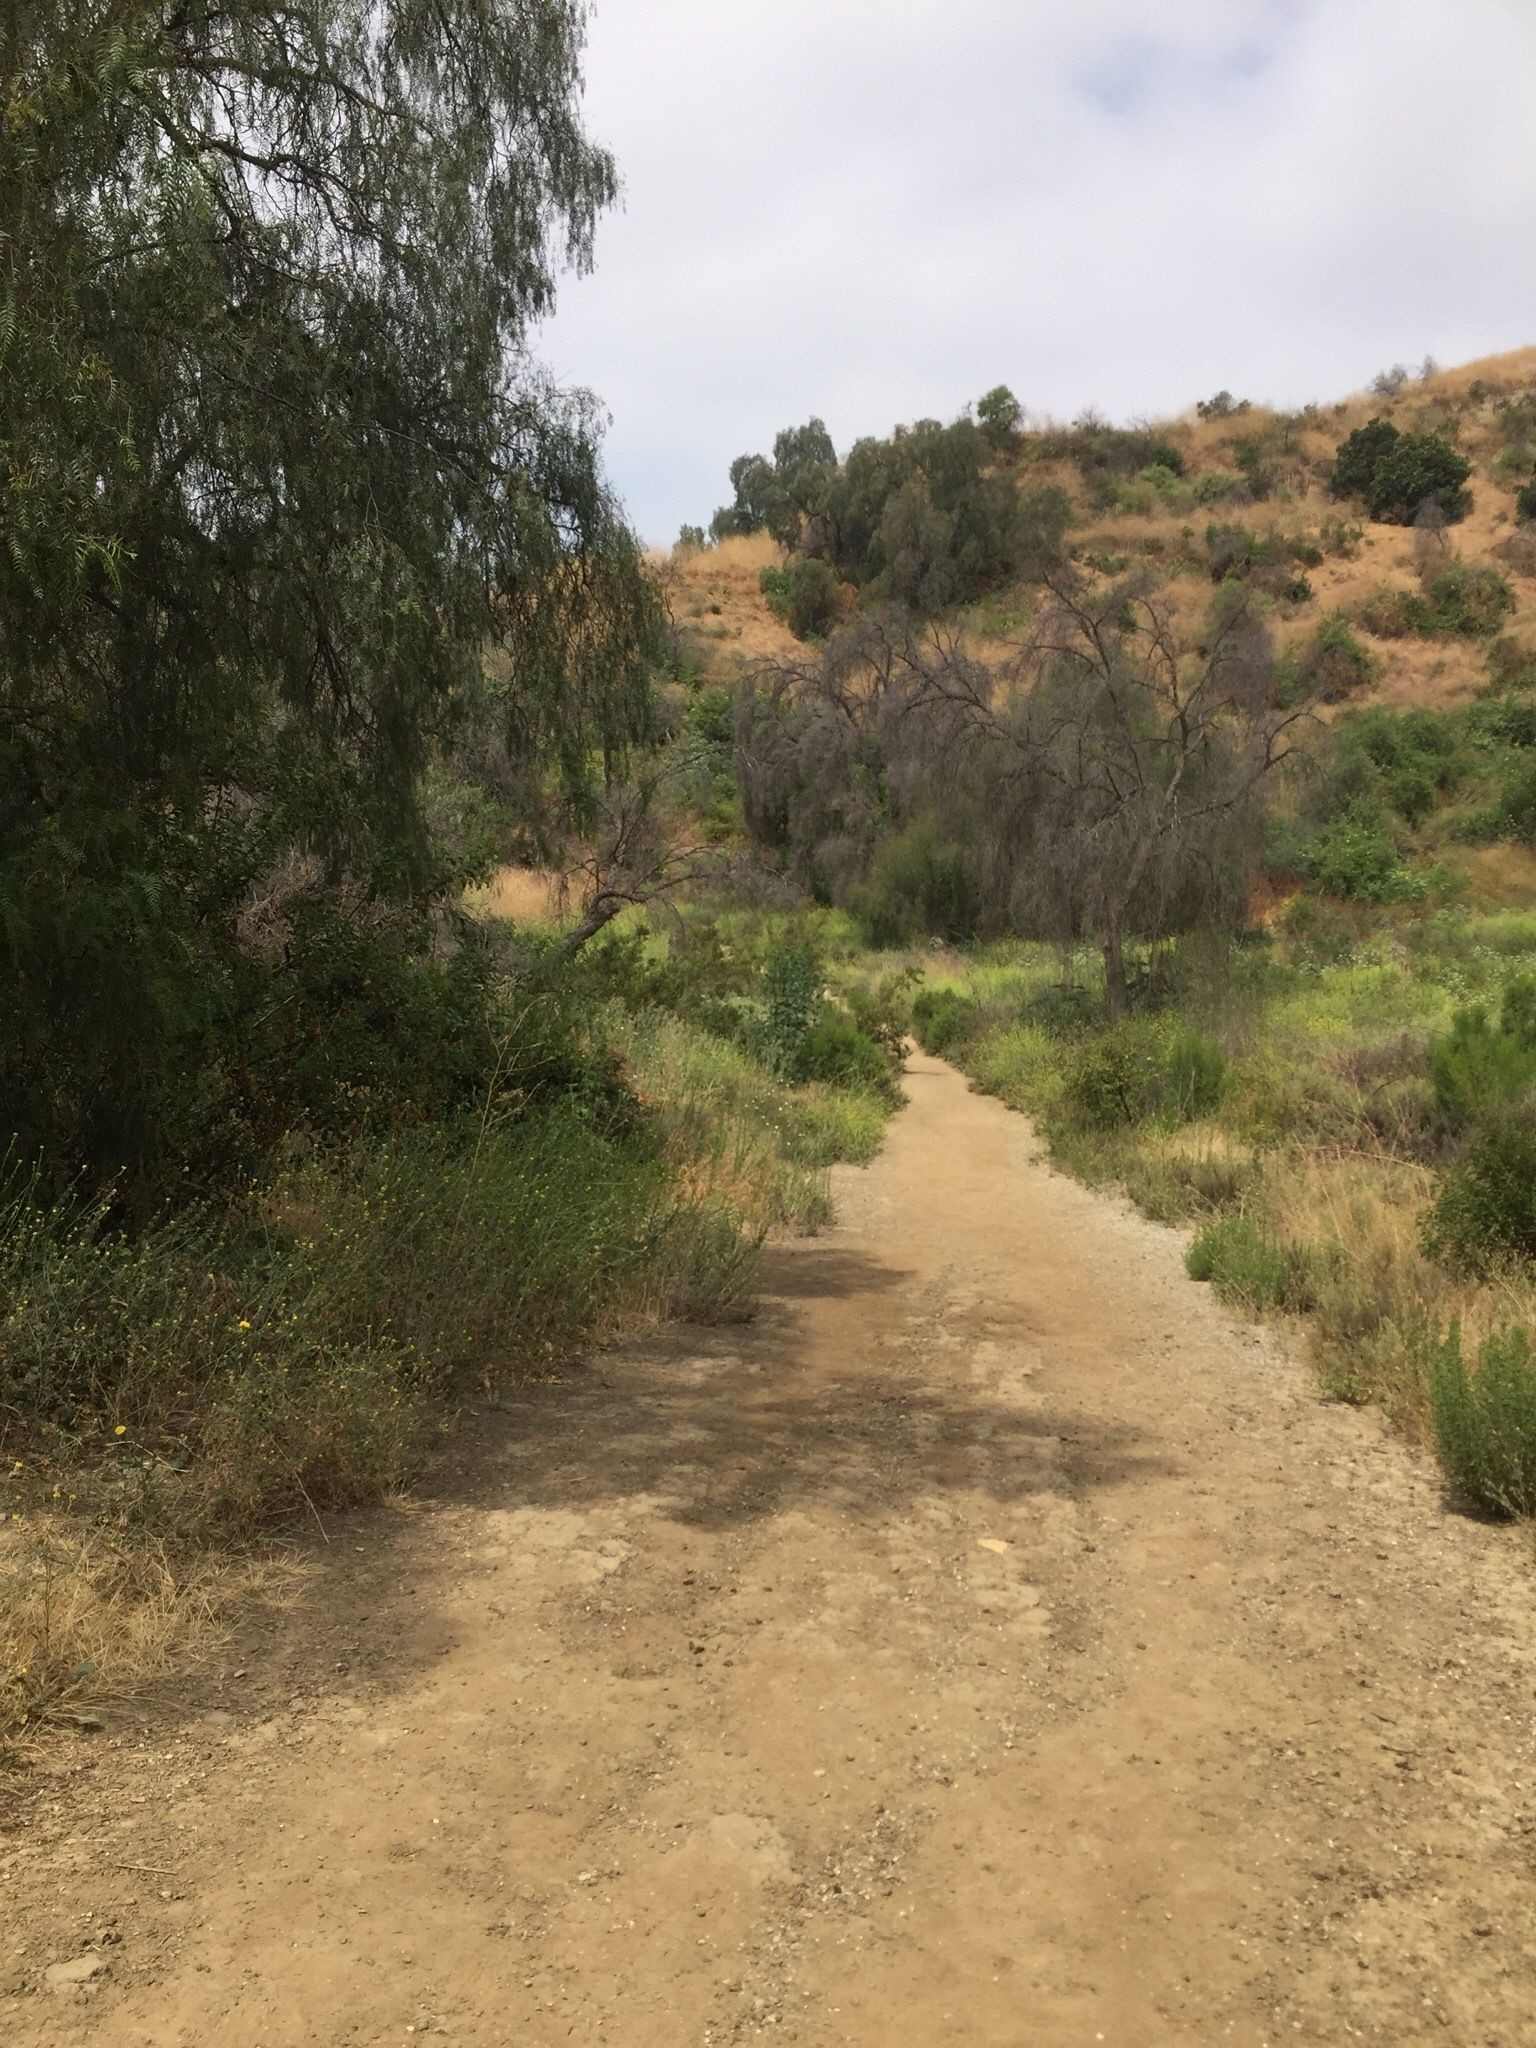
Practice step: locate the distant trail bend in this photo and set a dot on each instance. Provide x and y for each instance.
(993, 1644)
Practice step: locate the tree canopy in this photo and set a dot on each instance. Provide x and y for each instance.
(277, 470)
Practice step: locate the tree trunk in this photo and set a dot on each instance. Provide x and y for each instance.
(1116, 995)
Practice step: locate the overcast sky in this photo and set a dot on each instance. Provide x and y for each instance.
(875, 210)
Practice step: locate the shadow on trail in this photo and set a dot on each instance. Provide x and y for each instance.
(821, 1404)
(730, 1426)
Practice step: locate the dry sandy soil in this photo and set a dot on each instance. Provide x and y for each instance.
(992, 1644)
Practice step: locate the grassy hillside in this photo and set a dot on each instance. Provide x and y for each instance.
(1486, 408)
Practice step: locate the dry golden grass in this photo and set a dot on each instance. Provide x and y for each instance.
(715, 597)
(522, 895)
(88, 1623)
(1499, 877)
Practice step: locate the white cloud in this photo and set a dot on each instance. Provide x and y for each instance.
(874, 210)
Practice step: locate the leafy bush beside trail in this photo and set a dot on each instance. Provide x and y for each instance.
(1485, 1419)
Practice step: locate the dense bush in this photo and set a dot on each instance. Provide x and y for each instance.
(923, 518)
(1251, 1269)
(920, 885)
(1478, 1067)
(1417, 755)
(1359, 456)
(838, 1052)
(1357, 856)
(999, 415)
(1525, 501)
(1467, 598)
(792, 989)
(942, 1019)
(805, 594)
(1485, 1420)
(1398, 474)
(1420, 470)
(1330, 665)
(1141, 1070)
(804, 1036)
(1485, 1212)
(1514, 814)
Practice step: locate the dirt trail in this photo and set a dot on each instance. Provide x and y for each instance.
(992, 1644)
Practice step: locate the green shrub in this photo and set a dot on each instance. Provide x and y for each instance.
(883, 1011)
(805, 594)
(1399, 474)
(1471, 599)
(1356, 856)
(837, 1052)
(1250, 1269)
(919, 885)
(943, 1019)
(1514, 815)
(1215, 486)
(1140, 1071)
(1485, 1420)
(1485, 1212)
(1331, 665)
(792, 987)
(1417, 755)
(1358, 457)
(1477, 1068)
(1065, 1009)
(1000, 416)
(1525, 501)
(1111, 1081)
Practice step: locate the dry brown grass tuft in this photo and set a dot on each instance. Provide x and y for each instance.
(523, 895)
(716, 601)
(90, 1622)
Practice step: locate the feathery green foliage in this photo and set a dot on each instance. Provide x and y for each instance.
(277, 476)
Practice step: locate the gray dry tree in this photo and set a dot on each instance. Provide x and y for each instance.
(1107, 781)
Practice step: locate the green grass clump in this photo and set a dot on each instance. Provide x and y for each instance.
(1250, 1269)
(1485, 1420)
(1023, 1065)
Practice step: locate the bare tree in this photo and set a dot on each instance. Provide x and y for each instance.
(1125, 804)
(1107, 782)
(632, 852)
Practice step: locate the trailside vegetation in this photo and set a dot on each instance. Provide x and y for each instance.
(314, 608)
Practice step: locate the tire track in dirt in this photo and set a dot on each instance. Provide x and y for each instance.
(994, 1643)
